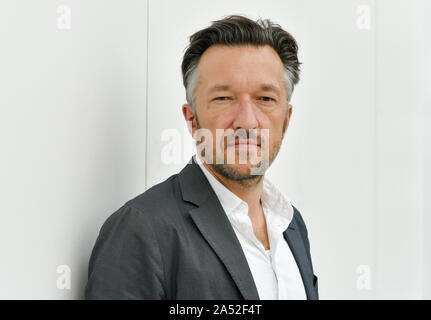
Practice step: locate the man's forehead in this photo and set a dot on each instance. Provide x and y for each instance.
(218, 73)
(217, 55)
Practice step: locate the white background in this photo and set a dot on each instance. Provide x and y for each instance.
(83, 111)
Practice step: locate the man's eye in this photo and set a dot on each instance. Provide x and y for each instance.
(269, 98)
(221, 98)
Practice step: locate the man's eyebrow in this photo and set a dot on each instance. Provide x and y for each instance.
(263, 87)
(270, 87)
(218, 87)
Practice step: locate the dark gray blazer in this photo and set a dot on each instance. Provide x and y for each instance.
(175, 241)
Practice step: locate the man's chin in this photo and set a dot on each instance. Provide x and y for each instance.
(237, 171)
(240, 169)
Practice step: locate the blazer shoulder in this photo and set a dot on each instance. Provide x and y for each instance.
(146, 208)
(157, 198)
(126, 245)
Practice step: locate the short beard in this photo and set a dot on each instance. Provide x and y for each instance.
(246, 180)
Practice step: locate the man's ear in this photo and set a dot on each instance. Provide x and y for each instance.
(189, 117)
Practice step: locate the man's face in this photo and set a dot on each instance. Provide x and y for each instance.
(241, 88)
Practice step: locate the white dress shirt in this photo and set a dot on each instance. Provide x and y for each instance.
(274, 271)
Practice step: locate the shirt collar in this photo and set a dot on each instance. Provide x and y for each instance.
(229, 201)
(278, 204)
(271, 198)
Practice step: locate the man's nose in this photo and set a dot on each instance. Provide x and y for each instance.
(246, 116)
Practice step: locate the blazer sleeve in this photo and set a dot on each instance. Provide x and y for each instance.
(125, 262)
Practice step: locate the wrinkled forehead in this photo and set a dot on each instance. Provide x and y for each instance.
(240, 64)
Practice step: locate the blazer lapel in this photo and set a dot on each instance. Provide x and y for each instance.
(296, 244)
(215, 227)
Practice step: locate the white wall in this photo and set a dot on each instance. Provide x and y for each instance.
(83, 112)
(72, 135)
(400, 86)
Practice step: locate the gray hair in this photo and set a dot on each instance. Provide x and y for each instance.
(235, 30)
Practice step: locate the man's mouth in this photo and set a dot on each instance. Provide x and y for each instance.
(245, 143)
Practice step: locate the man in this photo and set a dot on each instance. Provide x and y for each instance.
(218, 229)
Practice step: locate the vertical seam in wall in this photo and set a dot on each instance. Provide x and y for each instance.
(426, 102)
(374, 272)
(146, 100)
